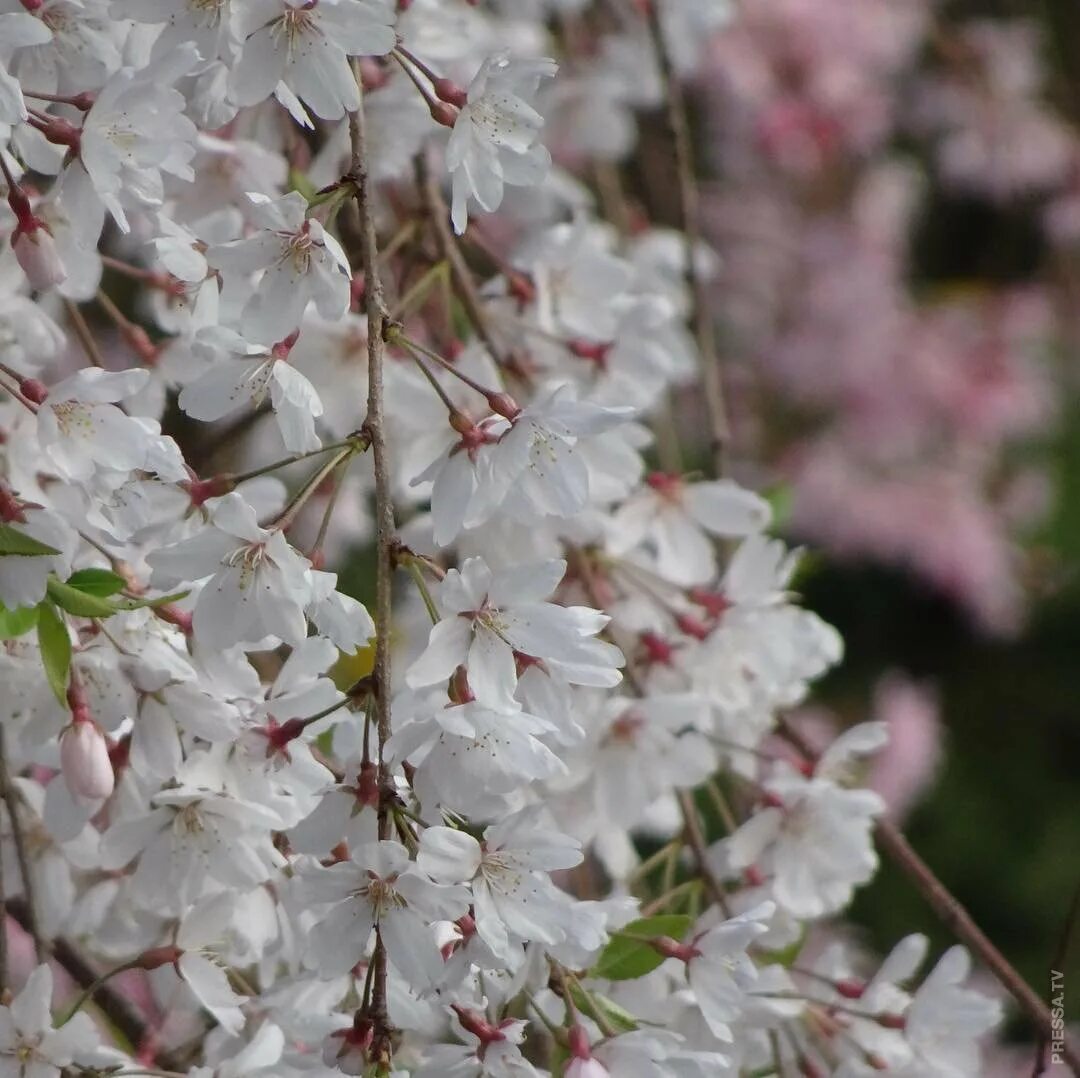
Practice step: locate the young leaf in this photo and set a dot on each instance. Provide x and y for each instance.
(79, 603)
(99, 582)
(55, 647)
(16, 622)
(624, 959)
(13, 541)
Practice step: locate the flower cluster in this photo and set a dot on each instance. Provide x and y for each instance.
(462, 830)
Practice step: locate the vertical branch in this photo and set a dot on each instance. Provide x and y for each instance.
(690, 213)
(11, 800)
(3, 926)
(375, 429)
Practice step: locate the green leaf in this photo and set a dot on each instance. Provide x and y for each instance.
(13, 541)
(100, 582)
(624, 959)
(16, 622)
(138, 604)
(621, 1020)
(77, 602)
(55, 647)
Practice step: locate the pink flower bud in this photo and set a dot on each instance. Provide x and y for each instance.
(36, 251)
(84, 760)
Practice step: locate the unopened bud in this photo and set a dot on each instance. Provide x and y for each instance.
(444, 113)
(36, 253)
(850, 988)
(84, 760)
(447, 90)
(33, 390)
(158, 956)
(503, 404)
(892, 1021)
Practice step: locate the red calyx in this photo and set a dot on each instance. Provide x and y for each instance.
(33, 390)
(657, 650)
(367, 785)
(714, 603)
(671, 948)
(282, 349)
(593, 351)
(850, 988)
(692, 627)
(280, 735)
(478, 1026)
(664, 483)
(460, 690)
(11, 509)
(447, 90)
(158, 956)
(892, 1021)
(753, 876)
(200, 490)
(60, 132)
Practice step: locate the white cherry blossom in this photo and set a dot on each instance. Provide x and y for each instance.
(494, 140)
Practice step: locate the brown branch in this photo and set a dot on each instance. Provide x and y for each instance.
(375, 428)
(120, 1012)
(11, 800)
(955, 917)
(3, 927)
(695, 839)
(690, 213)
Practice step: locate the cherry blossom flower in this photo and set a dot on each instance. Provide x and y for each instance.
(240, 373)
(494, 137)
(306, 47)
(302, 263)
(493, 616)
(512, 900)
(27, 1037)
(381, 888)
(258, 584)
(81, 430)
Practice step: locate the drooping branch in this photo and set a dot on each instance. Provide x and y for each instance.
(375, 430)
(690, 214)
(952, 913)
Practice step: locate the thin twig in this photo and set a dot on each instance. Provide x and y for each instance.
(84, 333)
(459, 268)
(3, 926)
(374, 426)
(956, 918)
(695, 839)
(116, 1007)
(690, 212)
(11, 800)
